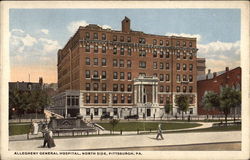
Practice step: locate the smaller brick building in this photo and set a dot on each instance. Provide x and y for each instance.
(215, 83)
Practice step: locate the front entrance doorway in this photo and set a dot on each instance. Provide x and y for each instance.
(148, 112)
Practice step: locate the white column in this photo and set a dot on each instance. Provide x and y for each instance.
(156, 93)
(135, 94)
(142, 91)
(139, 95)
(153, 93)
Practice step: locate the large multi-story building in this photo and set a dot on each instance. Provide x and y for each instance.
(125, 73)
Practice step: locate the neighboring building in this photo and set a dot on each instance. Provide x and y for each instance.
(124, 73)
(201, 66)
(26, 86)
(215, 83)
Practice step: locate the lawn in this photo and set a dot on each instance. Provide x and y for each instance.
(146, 126)
(15, 129)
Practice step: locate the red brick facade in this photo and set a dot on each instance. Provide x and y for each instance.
(230, 78)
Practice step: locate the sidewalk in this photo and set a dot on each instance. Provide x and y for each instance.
(111, 142)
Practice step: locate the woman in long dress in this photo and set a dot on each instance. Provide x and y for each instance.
(51, 142)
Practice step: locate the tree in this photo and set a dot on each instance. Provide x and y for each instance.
(210, 100)
(182, 103)
(229, 98)
(168, 107)
(113, 123)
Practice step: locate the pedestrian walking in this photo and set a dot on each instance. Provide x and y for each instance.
(159, 132)
(51, 142)
(46, 137)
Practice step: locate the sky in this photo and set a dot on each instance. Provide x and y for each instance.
(37, 34)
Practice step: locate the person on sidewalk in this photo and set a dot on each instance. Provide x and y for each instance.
(51, 142)
(46, 137)
(159, 132)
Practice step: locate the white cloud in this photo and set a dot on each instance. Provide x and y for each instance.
(73, 26)
(26, 49)
(220, 55)
(185, 35)
(44, 31)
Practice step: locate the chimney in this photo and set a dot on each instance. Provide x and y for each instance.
(41, 80)
(126, 25)
(214, 74)
(227, 69)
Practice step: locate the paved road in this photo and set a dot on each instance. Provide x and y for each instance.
(105, 142)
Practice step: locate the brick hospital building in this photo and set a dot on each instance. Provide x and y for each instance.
(104, 71)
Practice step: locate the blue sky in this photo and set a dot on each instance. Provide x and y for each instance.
(40, 32)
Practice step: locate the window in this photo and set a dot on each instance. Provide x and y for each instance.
(129, 87)
(161, 77)
(96, 111)
(154, 42)
(178, 54)
(161, 54)
(115, 76)
(191, 99)
(121, 38)
(87, 111)
(96, 49)
(155, 65)
(103, 49)
(161, 42)
(190, 44)
(142, 53)
(122, 51)
(122, 99)
(178, 89)
(155, 54)
(142, 64)
(87, 35)
(184, 55)
(167, 77)
(184, 43)
(104, 110)
(129, 76)
(129, 39)
(129, 64)
(167, 54)
(142, 74)
(104, 62)
(96, 61)
(155, 75)
(129, 51)
(87, 99)
(142, 40)
(190, 89)
(87, 48)
(129, 99)
(190, 78)
(167, 65)
(103, 74)
(96, 86)
(161, 100)
(121, 75)
(167, 89)
(104, 87)
(190, 67)
(114, 63)
(115, 87)
(178, 67)
(178, 43)
(114, 50)
(96, 74)
(161, 65)
(184, 67)
(167, 43)
(115, 111)
(96, 99)
(103, 36)
(161, 88)
(114, 37)
(95, 35)
(87, 86)
(184, 78)
(121, 63)
(190, 56)
(115, 99)
(87, 74)
(122, 87)
(104, 99)
(184, 89)
(178, 78)
(87, 61)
